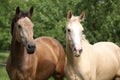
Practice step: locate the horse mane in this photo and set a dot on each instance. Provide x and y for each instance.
(84, 38)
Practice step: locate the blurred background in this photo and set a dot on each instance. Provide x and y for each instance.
(102, 21)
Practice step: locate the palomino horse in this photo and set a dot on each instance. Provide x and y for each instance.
(33, 59)
(100, 61)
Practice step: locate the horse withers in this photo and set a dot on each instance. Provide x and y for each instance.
(85, 61)
(33, 59)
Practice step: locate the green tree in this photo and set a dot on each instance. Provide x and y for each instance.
(102, 22)
(102, 19)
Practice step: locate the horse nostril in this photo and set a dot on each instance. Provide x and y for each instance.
(31, 46)
(80, 50)
(74, 49)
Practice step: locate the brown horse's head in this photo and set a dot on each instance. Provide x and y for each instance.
(22, 29)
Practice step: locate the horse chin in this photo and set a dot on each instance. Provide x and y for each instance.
(77, 54)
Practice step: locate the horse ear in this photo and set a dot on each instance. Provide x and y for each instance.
(69, 15)
(82, 16)
(30, 12)
(17, 10)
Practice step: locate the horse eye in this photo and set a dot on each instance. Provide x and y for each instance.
(69, 30)
(19, 26)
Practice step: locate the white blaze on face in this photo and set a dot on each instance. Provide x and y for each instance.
(77, 36)
(74, 32)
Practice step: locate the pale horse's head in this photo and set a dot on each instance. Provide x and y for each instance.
(74, 32)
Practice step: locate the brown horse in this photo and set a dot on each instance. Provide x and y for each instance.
(33, 59)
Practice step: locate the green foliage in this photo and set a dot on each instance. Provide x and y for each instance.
(3, 73)
(102, 22)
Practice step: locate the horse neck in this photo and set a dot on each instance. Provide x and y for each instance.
(17, 52)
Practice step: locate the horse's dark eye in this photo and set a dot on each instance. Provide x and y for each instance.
(69, 30)
(19, 26)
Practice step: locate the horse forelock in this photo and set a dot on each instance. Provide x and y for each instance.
(25, 21)
(74, 20)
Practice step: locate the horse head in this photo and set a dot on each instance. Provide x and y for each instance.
(22, 29)
(74, 32)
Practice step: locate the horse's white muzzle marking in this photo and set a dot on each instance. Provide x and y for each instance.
(77, 49)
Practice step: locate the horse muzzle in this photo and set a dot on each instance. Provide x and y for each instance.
(77, 52)
(31, 48)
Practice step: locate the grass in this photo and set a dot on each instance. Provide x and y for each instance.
(3, 73)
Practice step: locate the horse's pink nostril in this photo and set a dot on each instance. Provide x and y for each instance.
(74, 49)
(80, 50)
(77, 49)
